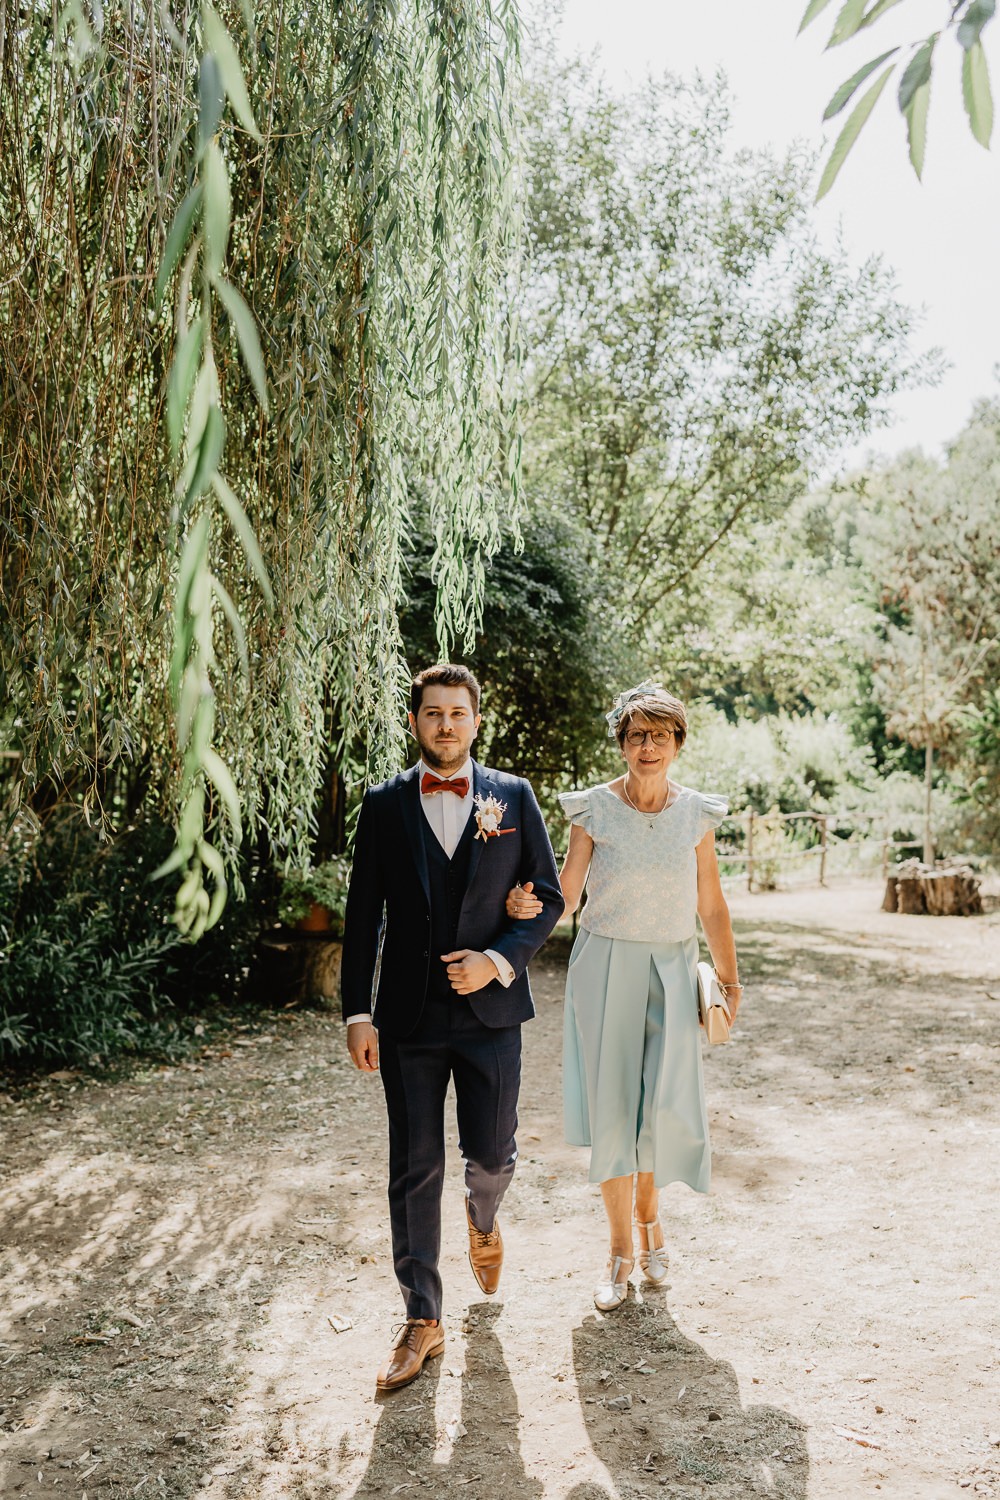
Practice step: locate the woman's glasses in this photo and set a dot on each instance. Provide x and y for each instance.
(658, 736)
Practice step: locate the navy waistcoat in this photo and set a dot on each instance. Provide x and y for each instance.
(448, 881)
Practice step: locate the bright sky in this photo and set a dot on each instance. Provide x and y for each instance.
(941, 236)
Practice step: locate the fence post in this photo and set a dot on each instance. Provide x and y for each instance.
(824, 820)
(750, 850)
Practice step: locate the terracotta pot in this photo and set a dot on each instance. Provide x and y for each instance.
(316, 919)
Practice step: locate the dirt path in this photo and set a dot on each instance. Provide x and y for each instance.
(173, 1249)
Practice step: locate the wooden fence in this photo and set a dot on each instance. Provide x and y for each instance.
(836, 846)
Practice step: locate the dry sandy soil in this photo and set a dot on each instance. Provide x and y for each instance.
(178, 1250)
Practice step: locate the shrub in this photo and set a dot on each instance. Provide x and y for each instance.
(795, 762)
(90, 964)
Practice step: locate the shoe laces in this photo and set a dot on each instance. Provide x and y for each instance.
(406, 1332)
(483, 1237)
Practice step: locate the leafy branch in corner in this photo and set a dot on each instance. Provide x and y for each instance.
(913, 62)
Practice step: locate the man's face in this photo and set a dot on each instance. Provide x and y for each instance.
(445, 726)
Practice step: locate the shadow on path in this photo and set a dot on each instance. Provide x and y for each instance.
(663, 1416)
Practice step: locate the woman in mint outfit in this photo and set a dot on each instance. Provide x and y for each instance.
(643, 846)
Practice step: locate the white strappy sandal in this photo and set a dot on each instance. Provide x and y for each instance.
(613, 1292)
(653, 1260)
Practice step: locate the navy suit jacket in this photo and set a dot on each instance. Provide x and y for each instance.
(389, 900)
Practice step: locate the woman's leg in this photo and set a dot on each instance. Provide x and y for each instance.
(647, 1209)
(652, 1255)
(617, 1195)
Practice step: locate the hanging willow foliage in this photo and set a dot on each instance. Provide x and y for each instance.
(252, 293)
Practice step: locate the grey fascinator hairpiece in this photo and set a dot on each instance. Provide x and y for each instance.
(645, 689)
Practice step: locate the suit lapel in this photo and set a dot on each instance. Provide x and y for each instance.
(409, 802)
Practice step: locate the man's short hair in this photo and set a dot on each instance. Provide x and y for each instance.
(445, 674)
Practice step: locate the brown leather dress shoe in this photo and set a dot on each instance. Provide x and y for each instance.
(417, 1341)
(485, 1255)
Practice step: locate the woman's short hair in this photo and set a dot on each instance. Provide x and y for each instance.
(660, 709)
(444, 674)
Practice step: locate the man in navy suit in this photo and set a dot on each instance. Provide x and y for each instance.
(437, 850)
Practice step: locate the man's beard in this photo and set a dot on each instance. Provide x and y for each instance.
(447, 758)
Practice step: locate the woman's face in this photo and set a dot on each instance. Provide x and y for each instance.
(649, 756)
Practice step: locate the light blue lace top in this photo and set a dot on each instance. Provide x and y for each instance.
(643, 880)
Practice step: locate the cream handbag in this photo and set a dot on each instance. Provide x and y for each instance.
(713, 1009)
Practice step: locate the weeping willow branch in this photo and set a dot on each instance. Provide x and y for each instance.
(196, 428)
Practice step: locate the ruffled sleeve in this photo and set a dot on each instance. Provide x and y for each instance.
(576, 806)
(711, 811)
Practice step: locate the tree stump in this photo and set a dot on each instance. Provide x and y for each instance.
(299, 968)
(952, 893)
(910, 895)
(942, 890)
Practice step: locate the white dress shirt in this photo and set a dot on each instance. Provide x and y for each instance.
(447, 814)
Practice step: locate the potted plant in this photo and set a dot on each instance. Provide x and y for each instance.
(314, 900)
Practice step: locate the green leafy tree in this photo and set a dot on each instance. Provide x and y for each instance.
(908, 547)
(927, 538)
(692, 354)
(980, 724)
(776, 627)
(549, 652)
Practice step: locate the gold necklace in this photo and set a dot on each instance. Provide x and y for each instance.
(642, 811)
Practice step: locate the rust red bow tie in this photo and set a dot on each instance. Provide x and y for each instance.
(430, 783)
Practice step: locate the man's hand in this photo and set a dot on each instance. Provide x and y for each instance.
(468, 970)
(362, 1044)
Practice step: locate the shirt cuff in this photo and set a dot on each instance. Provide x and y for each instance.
(505, 972)
(363, 1015)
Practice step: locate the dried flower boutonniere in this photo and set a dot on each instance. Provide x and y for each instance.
(489, 816)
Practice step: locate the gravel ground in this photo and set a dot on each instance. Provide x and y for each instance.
(179, 1250)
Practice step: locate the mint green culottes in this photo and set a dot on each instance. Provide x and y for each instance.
(633, 1088)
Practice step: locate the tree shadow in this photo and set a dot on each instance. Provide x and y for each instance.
(836, 1009)
(664, 1416)
(113, 1304)
(146, 1229)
